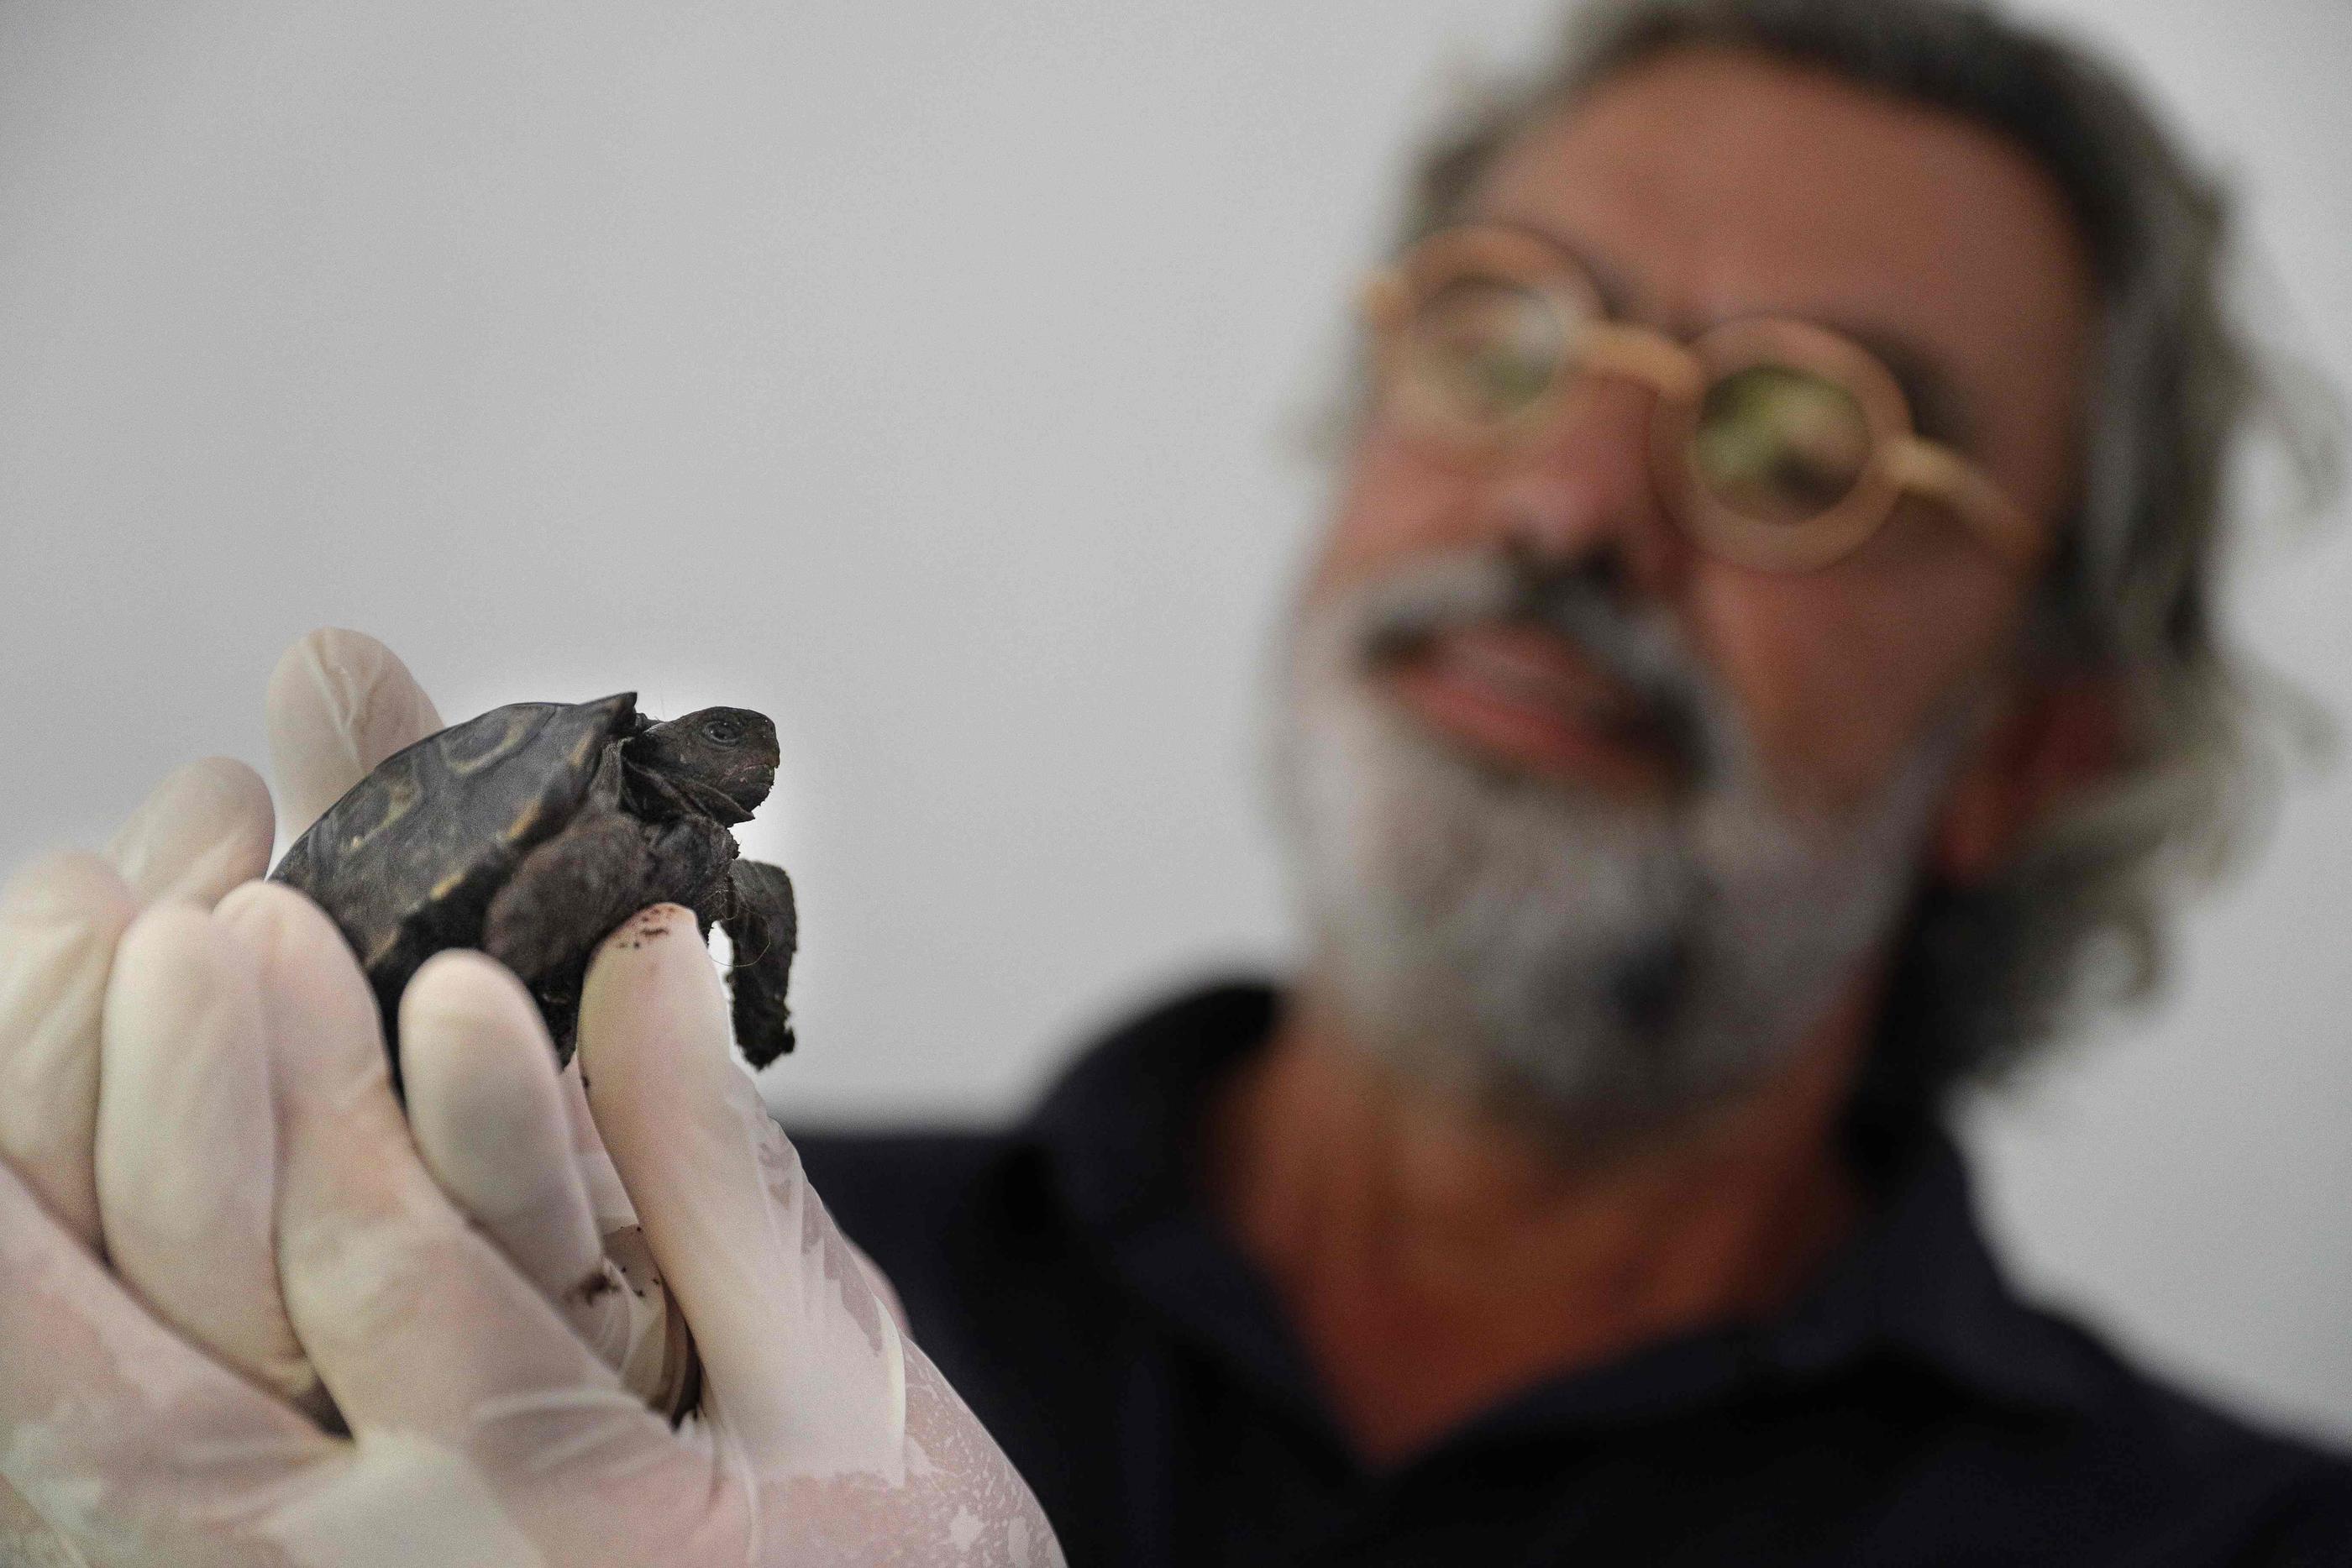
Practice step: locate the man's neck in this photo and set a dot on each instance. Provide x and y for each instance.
(1432, 1260)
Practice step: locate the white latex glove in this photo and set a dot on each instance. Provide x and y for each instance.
(515, 1146)
(171, 1177)
(814, 1402)
(62, 919)
(483, 1431)
(157, 1147)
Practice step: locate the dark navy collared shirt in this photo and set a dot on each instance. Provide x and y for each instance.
(1908, 1410)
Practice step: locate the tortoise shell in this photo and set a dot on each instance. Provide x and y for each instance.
(407, 862)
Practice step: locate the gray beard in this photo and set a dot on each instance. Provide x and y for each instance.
(1594, 969)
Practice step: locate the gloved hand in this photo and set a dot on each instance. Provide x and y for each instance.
(187, 1159)
(169, 1136)
(476, 1413)
(527, 1165)
(204, 830)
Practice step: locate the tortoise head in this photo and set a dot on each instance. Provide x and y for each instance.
(732, 750)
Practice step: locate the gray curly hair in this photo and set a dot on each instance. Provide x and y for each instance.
(2076, 920)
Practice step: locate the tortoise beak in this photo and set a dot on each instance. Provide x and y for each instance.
(753, 789)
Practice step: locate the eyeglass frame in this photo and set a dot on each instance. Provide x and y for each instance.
(1901, 461)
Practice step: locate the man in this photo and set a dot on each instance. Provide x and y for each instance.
(1758, 655)
(1688, 778)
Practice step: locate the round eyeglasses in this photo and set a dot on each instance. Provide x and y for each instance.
(1775, 442)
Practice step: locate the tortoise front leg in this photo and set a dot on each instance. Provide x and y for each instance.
(764, 929)
(574, 889)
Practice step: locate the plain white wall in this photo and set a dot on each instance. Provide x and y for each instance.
(925, 374)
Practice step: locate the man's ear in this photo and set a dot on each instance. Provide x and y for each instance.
(2059, 735)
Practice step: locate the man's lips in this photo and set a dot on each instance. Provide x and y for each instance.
(1523, 698)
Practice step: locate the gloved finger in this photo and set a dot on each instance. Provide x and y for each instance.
(489, 1117)
(112, 1426)
(606, 1196)
(201, 830)
(879, 1283)
(340, 702)
(186, 1154)
(27, 1538)
(801, 1362)
(487, 1110)
(660, 1364)
(59, 920)
(412, 1319)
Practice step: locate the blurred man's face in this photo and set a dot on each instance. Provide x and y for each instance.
(1619, 854)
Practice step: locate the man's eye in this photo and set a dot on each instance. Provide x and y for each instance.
(1504, 376)
(1781, 444)
(1487, 350)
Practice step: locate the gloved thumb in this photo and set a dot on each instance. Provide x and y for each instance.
(802, 1365)
(340, 702)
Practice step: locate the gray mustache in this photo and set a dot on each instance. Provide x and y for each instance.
(1580, 602)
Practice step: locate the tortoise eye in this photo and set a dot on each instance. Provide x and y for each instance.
(722, 731)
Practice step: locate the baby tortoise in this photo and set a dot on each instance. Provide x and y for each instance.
(532, 831)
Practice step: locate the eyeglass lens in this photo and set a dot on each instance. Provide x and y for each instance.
(1482, 353)
(1776, 443)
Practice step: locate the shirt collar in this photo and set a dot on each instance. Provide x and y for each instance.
(1917, 1280)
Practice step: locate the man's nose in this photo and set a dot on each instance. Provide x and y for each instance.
(1586, 489)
